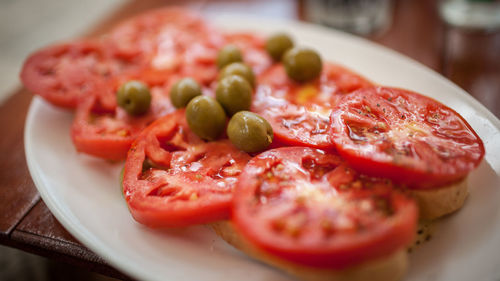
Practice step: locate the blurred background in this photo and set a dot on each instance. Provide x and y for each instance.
(458, 38)
(26, 25)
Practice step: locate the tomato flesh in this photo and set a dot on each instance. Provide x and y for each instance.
(63, 74)
(172, 178)
(300, 113)
(404, 136)
(253, 50)
(308, 207)
(109, 134)
(170, 41)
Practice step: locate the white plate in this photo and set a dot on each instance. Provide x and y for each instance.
(84, 194)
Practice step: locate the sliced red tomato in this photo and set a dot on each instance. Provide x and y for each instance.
(199, 62)
(300, 113)
(308, 207)
(253, 48)
(63, 74)
(109, 134)
(170, 40)
(404, 136)
(172, 178)
(153, 46)
(158, 32)
(200, 57)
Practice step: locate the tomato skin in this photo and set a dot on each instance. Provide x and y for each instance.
(65, 73)
(300, 112)
(148, 34)
(409, 138)
(170, 41)
(190, 181)
(60, 87)
(253, 49)
(154, 212)
(108, 134)
(264, 214)
(334, 82)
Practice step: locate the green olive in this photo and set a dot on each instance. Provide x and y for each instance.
(183, 91)
(249, 132)
(240, 69)
(234, 93)
(302, 64)
(228, 54)
(205, 117)
(278, 44)
(134, 97)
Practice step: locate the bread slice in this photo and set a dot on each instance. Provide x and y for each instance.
(390, 268)
(438, 202)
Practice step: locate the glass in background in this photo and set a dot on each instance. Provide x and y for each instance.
(362, 17)
(472, 48)
(472, 14)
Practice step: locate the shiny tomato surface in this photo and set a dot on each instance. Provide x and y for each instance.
(299, 112)
(253, 49)
(170, 40)
(404, 136)
(65, 73)
(109, 134)
(173, 178)
(308, 207)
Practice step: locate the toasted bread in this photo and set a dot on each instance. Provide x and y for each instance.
(390, 268)
(438, 202)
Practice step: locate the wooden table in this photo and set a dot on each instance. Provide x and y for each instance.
(471, 59)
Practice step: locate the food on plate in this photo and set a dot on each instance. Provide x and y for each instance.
(108, 134)
(278, 44)
(156, 48)
(65, 73)
(408, 138)
(238, 68)
(156, 44)
(249, 132)
(343, 163)
(159, 35)
(302, 64)
(206, 117)
(390, 268)
(234, 93)
(169, 41)
(183, 91)
(253, 50)
(173, 178)
(227, 55)
(300, 112)
(305, 210)
(134, 97)
(434, 203)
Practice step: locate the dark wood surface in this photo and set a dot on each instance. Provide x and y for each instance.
(17, 192)
(471, 59)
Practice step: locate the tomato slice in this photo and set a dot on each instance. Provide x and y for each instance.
(200, 57)
(300, 113)
(109, 134)
(158, 33)
(253, 48)
(308, 207)
(63, 74)
(404, 136)
(170, 40)
(172, 178)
